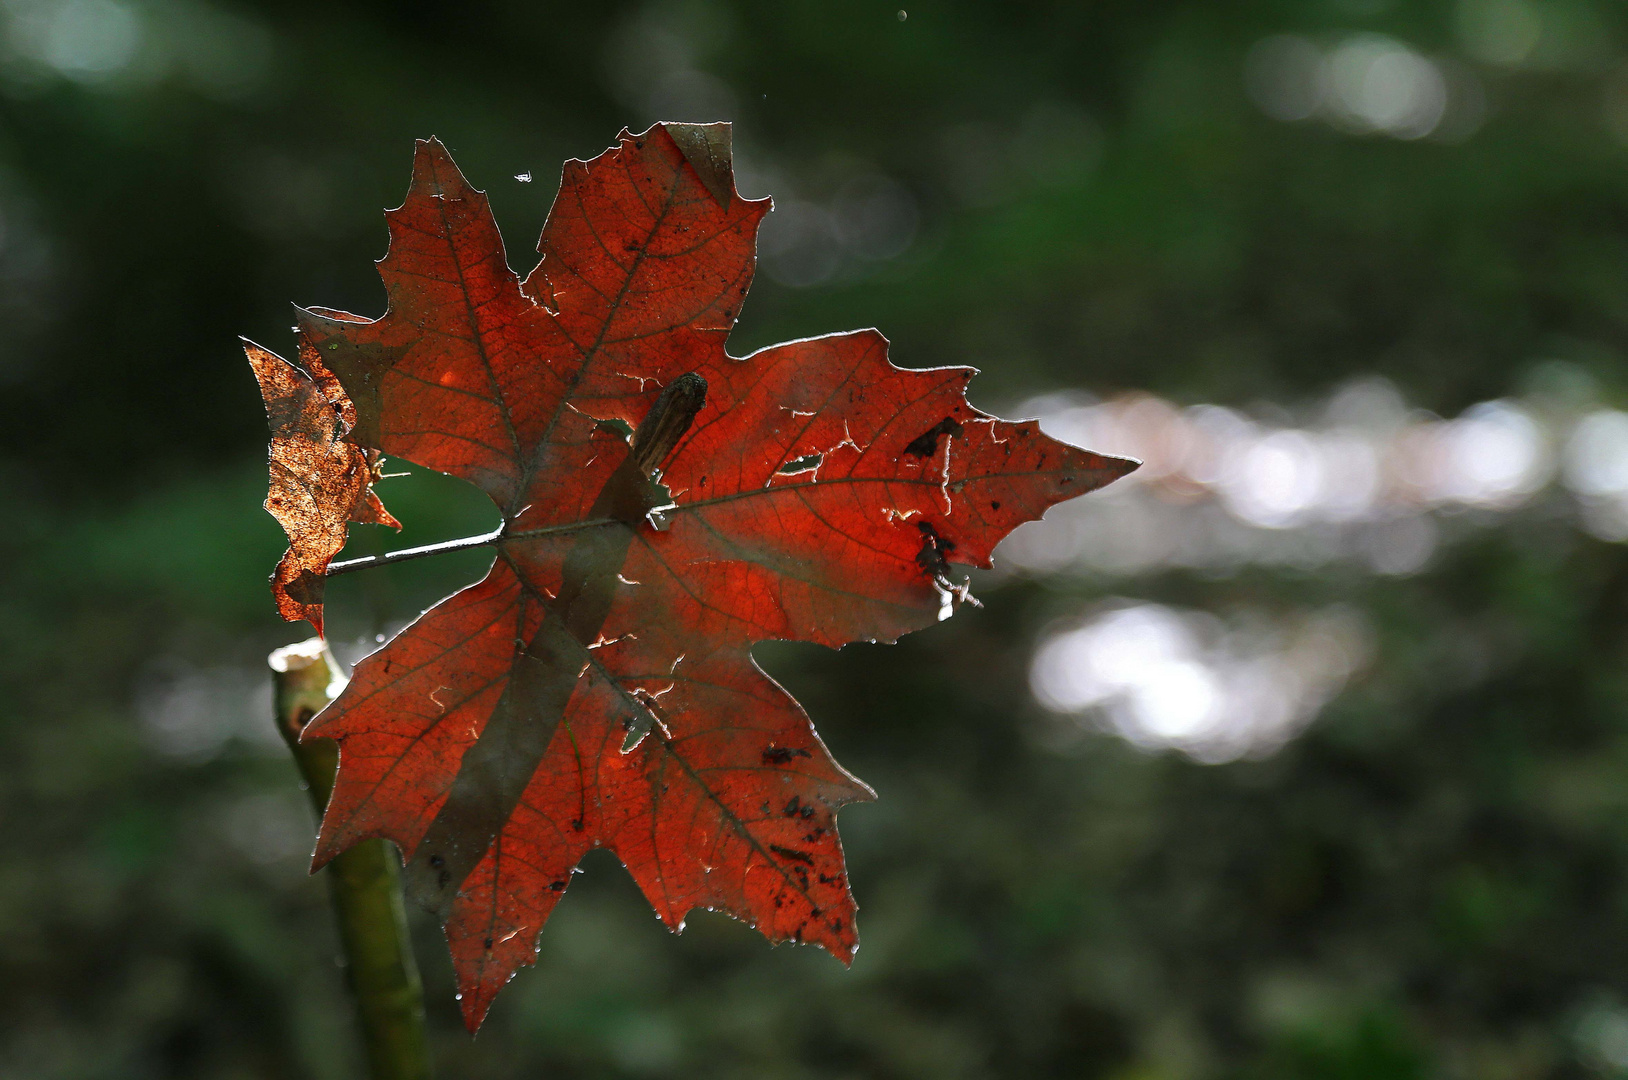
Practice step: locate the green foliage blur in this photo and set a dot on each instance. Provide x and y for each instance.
(1429, 880)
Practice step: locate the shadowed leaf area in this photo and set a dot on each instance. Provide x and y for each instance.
(597, 688)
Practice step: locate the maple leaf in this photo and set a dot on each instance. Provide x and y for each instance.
(320, 481)
(597, 689)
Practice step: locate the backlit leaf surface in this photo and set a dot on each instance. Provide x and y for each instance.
(597, 689)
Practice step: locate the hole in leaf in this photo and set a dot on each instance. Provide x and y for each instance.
(806, 463)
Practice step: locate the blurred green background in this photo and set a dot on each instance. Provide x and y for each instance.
(1304, 754)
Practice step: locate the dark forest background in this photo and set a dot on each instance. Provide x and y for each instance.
(1370, 817)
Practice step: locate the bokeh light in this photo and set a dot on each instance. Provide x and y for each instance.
(1362, 482)
(1364, 84)
(1215, 689)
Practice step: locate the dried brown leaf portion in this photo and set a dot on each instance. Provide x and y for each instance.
(319, 481)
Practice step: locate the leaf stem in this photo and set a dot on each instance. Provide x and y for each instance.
(367, 562)
(405, 554)
(364, 882)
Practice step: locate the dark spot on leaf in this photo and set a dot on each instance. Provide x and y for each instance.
(933, 556)
(307, 587)
(557, 885)
(437, 861)
(779, 755)
(994, 504)
(488, 944)
(791, 853)
(925, 445)
(792, 806)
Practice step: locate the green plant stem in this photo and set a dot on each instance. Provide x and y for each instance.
(364, 882)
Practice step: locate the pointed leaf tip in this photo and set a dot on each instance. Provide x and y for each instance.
(709, 150)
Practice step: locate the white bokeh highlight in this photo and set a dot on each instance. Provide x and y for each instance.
(1361, 480)
(1363, 84)
(1187, 680)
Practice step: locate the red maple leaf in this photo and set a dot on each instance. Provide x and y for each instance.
(597, 689)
